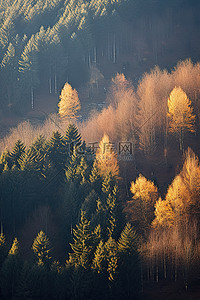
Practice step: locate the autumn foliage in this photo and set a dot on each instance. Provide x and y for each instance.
(69, 104)
(106, 159)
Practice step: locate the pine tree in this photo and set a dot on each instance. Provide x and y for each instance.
(42, 249)
(95, 178)
(69, 103)
(108, 184)
(112, 259)
(15, 247)
(90, 204)
(72, 139)
(99, 261)
(56, 150)
(16, 154)
(30, 161)
(39, 146)
(112, 209)
(180, 113)
(83, 244)
(82, 171)
(71, 171)
(129, 264)
(128, 241)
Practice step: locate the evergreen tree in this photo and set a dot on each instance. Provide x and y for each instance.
(90, 204)
(30, 161)
(82, 171)
(71, 171)
(108, 183)
(129, 264)
(72, 139)
(95, 178)
(42, 249)
(16, 154)
(56, 151)
(39, 148)
(83, 245)
(112, 207)
(112, 259)
(99, 261)
(14, 250)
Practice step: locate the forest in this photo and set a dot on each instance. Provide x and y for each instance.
(101, 198)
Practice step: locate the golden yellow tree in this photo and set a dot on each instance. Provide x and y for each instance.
(106, 158)
(180, 113)
(183, 195)
(190, 175)
(164, 214)
(140, 209)
(69, 104)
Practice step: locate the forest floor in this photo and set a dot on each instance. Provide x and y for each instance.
(169, 291)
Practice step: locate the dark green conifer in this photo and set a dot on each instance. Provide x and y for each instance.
(42, 248)
(72, 140)
(112, 259)
(99, 261)
(83, 244)
(17, 152)
(129, 264)
(56, 151)
(128, 241)
(71, 171)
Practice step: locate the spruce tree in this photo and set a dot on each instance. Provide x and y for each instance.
(30, 161)
(112, 259)
(129, 264)
(17, 152)
(42, 249)
(71, 171)
(39, 148)
(99, 261)
(14, 250)
(56, 151)
(81, 171)
(72, 140)
(83, 244)
(95, 178)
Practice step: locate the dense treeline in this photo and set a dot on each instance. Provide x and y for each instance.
(42, 43)
(78, 188)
